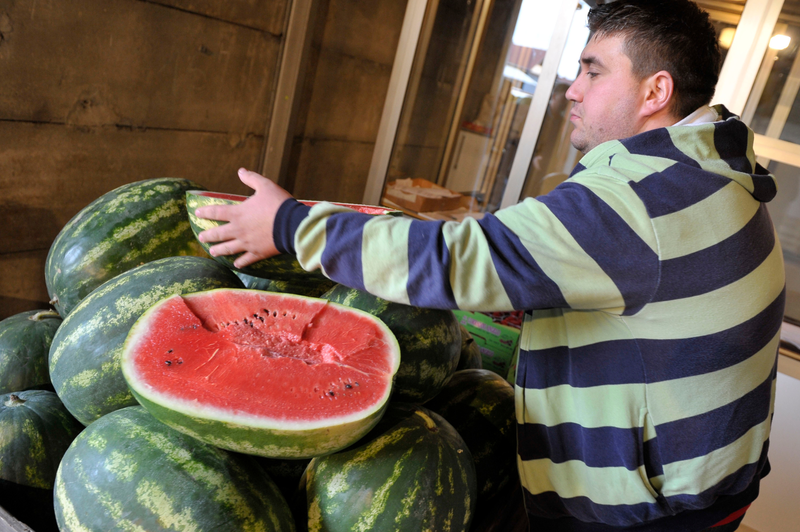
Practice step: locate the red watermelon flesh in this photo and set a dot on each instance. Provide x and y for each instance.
(261, 360)
(368, 209)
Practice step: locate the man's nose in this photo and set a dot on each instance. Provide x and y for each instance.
(574, 91)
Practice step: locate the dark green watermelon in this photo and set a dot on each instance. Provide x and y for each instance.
(430, 341)
(122, 229)
(35, 431)
(470, 357)
(25, 340)
(412, 472)
(480, 405)
(85, 355)
(129, 471)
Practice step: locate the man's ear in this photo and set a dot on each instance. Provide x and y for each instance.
(658, 91)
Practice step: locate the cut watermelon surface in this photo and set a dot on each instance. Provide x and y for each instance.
(264, 373)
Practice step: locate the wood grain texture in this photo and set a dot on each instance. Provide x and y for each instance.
(49, 172)
(332, 170)
(98, 93)
(266, 15)
(22, 284)
(368, 30)
(138, 64)
(350, 67)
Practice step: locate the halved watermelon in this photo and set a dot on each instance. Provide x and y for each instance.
(275, 375)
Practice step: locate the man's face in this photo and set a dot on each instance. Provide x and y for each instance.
(606, 96)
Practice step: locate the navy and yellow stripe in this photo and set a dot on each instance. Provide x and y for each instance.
(654, 291)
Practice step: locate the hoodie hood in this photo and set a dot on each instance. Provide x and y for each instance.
(724, 148)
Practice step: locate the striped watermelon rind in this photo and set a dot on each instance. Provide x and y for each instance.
(35, 430)
(128, 471)
(124, 228)
(271, 437)
(310, 287)
(412, 472)
(84, 357)
(261, 439)
(280, 267)
(470, 357)
(480, 405)
(430, 341)
(25, 340)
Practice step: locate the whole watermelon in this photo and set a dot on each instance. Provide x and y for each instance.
(309, 286)
(413, 472)
(129, 471)
(124, 228)
(35, 431)
(25, 340)
(480, 405)
(470, 357)
(430, 341)
(85, 354)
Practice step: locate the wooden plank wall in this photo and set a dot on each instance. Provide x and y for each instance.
(98, 93)
(353, 53)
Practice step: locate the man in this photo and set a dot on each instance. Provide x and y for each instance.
(652, 281)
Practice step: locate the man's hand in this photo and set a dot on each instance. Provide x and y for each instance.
(249, 227)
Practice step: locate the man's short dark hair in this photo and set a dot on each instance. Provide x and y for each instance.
(671, 35)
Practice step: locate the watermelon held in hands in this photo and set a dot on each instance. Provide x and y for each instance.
(274, 375)
(25, 340)
(122, 229)
(412, 472)
(278, 268)
(128, 471)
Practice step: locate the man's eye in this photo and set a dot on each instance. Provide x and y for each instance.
(592, 74)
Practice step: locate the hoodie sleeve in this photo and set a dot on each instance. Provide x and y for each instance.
(578, 247)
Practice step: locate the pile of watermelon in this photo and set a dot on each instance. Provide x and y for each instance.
(170, 391)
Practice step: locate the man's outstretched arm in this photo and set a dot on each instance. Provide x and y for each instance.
(250, 223)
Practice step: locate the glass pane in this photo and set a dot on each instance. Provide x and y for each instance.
(725, 18)
(471, 87)
(785, 212)
(772, 108)
(435, 82)
(554, 157)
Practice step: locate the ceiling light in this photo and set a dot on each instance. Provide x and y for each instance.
(726, 37)
(779, 42)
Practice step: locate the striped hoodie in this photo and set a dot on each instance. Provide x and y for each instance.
(653, 286)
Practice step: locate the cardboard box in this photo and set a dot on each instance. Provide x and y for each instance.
(497, 342)
(421, 195)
